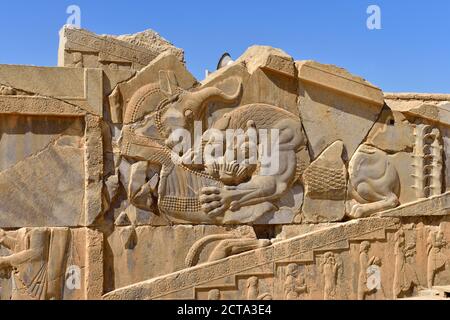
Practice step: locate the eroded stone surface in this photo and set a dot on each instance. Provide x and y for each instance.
(84, 49)
(331, 96)
(329, 189)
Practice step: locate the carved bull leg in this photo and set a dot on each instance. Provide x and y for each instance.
(363, 210)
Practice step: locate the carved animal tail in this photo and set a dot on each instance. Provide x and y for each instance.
(194, 252)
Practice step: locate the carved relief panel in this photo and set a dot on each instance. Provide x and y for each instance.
(124, 177)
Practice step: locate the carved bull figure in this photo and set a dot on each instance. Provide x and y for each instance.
(193, 193)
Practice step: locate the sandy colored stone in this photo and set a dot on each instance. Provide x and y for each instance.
(269, 58)
(339, 79)
(34, 192)
(392, 133)
(70, 256)
(169, 244)
(262, 81)
(182, 283)
(80, 87)
(94, 264)
(406, 175)
(93, 155)
(352, 204)
(24, 136)
(446, 142)
(84, 49)
(152, 41)
(333, 96)
(325, 186)
(37, 105)
(122, 95)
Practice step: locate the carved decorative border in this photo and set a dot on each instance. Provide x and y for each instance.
(203, 274)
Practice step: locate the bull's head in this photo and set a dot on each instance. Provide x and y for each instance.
(186, 107)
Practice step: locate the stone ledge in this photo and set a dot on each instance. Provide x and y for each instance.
(339, 80)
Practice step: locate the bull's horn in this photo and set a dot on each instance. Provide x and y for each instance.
(202, 97)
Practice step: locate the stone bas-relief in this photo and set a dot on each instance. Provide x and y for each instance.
(124, 177)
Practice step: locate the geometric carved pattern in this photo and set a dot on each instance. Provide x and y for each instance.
(322, 179)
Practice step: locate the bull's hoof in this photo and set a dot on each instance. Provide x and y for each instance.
(358, 211)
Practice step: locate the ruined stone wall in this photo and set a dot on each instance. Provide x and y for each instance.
(95, 204)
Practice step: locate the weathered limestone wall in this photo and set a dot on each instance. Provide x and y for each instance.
(92, 195)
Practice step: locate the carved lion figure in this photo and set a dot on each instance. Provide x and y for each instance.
(189, 192)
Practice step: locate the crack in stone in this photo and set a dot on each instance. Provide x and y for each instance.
(34, 94)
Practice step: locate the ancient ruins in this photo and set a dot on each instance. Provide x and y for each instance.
(326, 187)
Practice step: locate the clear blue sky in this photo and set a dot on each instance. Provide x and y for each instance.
(410, 53)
